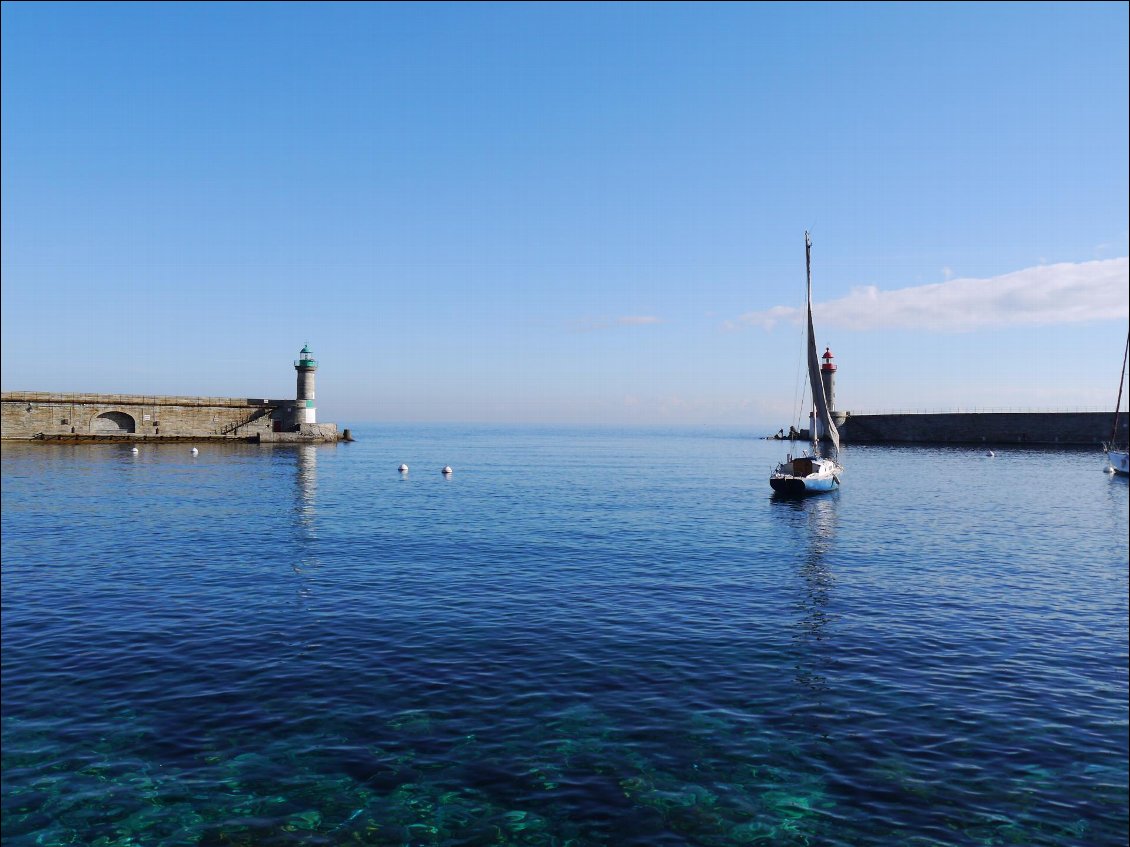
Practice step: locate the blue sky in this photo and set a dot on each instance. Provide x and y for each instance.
(567, 213)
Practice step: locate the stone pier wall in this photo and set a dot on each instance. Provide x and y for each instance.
(1064, 428)
(41, 415)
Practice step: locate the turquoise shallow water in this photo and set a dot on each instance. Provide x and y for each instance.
(582, 637)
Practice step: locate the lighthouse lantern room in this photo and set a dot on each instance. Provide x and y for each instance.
(305, 365)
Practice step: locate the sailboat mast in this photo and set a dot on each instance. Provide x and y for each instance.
(808, 273)
(1118, 403)
(811, 338)
(819, 398)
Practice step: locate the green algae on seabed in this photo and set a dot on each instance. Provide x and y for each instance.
(412, 722)
(716, 802)
(753, 832)
(308, 820)
(740, 804)
(545, 776)
(299, 799)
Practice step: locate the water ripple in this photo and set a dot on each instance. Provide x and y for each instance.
(635, 645)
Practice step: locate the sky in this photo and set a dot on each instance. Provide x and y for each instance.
(567, 213)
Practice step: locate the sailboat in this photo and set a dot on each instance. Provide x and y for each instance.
(1117, 456)
(811, 473)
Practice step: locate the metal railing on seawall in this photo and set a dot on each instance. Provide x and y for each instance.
(981, 410)
(977, 426)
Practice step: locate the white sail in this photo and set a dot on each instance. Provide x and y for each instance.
(799, 476)
(818, 397)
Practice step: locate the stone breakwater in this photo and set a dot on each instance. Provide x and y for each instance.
(49, 416)
(1036, 428)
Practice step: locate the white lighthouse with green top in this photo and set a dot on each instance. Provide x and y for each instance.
(305, 364)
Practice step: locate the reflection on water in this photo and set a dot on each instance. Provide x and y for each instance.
(306, 534)
(306, 465)
(811, 525)
(817, 575)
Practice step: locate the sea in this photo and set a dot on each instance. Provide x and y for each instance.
(581, 636)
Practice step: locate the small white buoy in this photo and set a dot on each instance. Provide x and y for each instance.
(446, 470)
(403, 469)
(194, 451)
(134, 450)
(990, 454)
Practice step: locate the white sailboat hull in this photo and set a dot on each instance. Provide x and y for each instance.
(1119, 461)
(806, 475)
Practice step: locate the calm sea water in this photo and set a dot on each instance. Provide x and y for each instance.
(579, 638)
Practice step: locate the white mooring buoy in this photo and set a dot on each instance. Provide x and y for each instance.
(195, 451)
(403, 469)
(446, 470)
(134, 450)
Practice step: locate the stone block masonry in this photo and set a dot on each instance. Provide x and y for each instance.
(132, 417)
(1043, 428)
(44, 416)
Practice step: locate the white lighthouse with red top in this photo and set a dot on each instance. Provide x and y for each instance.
(828, 377)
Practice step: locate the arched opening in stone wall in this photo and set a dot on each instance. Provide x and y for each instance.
(113, 423)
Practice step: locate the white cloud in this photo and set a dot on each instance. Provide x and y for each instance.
(1043, 295)
(767, 319)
